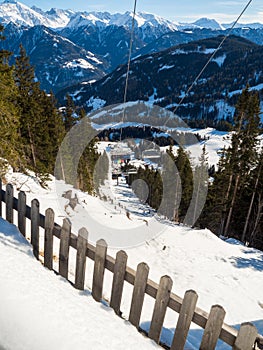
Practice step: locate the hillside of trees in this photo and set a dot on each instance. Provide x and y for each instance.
(165, 76)
(234, 202)
(234, 205)
(32, 127)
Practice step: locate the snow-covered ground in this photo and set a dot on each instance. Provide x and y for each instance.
(40, 310)
(221, 272)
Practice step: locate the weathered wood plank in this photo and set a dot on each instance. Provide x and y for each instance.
(64, 248)
(138, 293)
(48, 243)
(213, 328)
(246, 337)
(118, 281)
(184, 320)
(35, 227)
(9, 198)
(82, 245)
(22, 212)
(161, 303)
(99, 268)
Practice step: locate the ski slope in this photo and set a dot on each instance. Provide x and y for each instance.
(221, 272)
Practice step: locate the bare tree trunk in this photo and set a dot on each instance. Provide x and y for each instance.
(231, 206)
(221, 232)
(257, 220)
(224, 227)
(62, 167)
(32, 146)
(178, 194)
(197, 197)
(251, 205)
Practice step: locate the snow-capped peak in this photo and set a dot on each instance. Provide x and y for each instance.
(80, 19)
(18, 13)
(208, 23)
(103, 19)
(158, 20)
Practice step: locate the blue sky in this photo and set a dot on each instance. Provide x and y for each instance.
(186, 10)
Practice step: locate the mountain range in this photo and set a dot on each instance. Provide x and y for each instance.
(87, 51)
(162, 78)
(17, 12)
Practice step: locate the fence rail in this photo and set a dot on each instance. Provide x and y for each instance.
(212, 323)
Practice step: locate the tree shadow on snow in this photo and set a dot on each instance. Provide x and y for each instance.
(11, 237)
(254, 263)
(194, 337)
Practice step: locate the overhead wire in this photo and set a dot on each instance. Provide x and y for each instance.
(130, 53)
(129, 63)
(213, 55)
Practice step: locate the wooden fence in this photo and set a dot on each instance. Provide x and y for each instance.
(213, 322)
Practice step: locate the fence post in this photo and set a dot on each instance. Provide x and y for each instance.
(161, 303)
(184, 321)
(35, 227)
(82, 244)
(213, 328)
(48, 243)
(9, 199)
(64, 248)
(21, 208)
(246, 337)
(99, 268)
(139, 288)
(118, 281)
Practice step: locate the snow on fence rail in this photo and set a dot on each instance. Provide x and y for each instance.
(213, 323)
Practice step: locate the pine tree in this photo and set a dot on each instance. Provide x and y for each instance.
(171, 188)
(256, 202)
(24, 77)
(229, 205)
(183, 165)
(54, 130)
(101, 171)
(69, 114)
(41, 126)
(244, 146)
(201, 185)
(10, 146)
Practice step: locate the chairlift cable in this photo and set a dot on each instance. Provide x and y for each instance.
(199, 74)
(130, 53)
(129, 63)
(213, 55)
